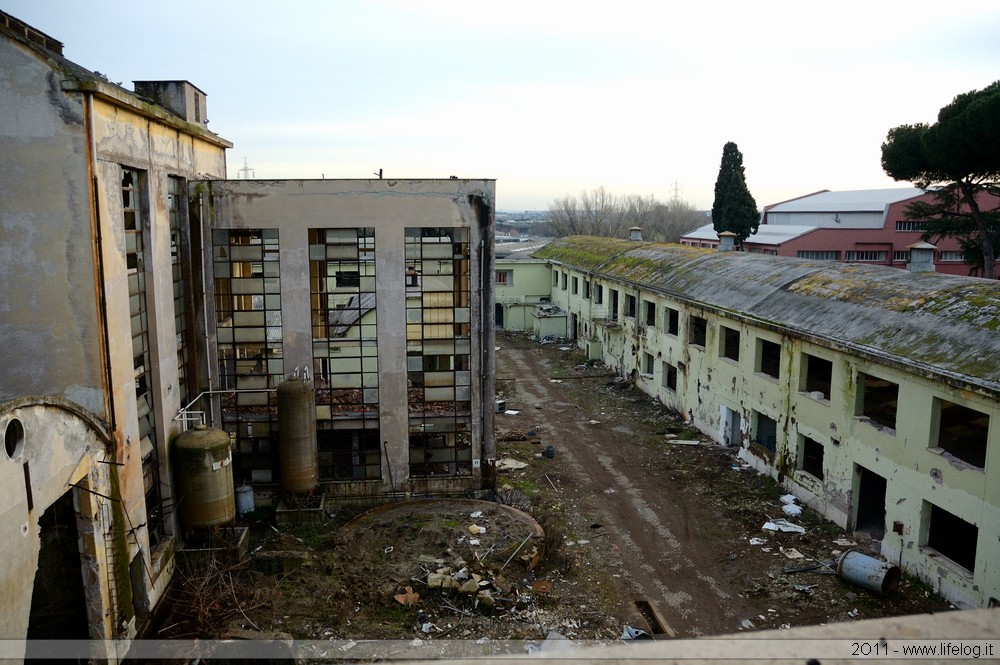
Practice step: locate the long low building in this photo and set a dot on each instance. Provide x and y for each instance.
(868, 392)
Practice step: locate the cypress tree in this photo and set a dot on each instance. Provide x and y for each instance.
(734, 208)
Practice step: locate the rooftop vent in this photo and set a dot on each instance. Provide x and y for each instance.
(34, 36)
(727, 241)
(921, 257)
(179, 97)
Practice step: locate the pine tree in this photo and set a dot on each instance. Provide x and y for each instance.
(734, 208)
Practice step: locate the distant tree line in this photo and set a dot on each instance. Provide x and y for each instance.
(600, 213)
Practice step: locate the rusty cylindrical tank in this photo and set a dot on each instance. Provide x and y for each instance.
(297, 435)
(204, 477)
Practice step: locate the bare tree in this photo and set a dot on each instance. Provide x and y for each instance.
(600, 213)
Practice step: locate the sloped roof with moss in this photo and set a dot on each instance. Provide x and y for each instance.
(940, 324)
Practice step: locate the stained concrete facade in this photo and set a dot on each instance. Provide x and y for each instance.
(87, 170)
(380, 290)
(870, 393)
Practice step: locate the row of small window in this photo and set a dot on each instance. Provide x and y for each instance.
(941, 530)
(899, 256)
(959, 430)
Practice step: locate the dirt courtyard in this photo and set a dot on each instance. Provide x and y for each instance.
(647, 525)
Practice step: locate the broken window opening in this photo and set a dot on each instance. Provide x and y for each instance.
(952, 537)
(698, 331)
(811, 456)
(669, 376)
(765, 431)
(630, 306)
(961, 431)
(647, 364)
(650, 312)
(599, 294)
(673, 318)
(730, 343)
(586, 289)
(576, 285)
(349, 454)
(817, 376)
(768, 358)
(613, 305)
(877, 400)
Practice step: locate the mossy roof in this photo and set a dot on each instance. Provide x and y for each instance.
(944, 323)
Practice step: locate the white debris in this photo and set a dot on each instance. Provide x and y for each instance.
(791, 509)
(783, 525)
(789, 499)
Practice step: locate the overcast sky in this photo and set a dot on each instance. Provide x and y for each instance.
(550, 98)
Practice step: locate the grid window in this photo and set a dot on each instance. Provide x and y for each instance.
(505, 277)
(951, 256)
(133, 207)
(345, 352)
(249, 339)
(818, 256)
(910, 225)
(901, 256)
(438, 352)
(180, 260)
(866, 255)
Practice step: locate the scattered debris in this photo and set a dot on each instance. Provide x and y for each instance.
(631, 633)
(408, 598)
(792, 553)
(512, 412)
(476, 514)
(747, 624)
(685, 442)
(475, 529)
(804, 588)
(791, 509)
(757, 541)
(844, 542)
(789, 499)
(782, 525)
(541, 586)
(508, 464)
(593, 422)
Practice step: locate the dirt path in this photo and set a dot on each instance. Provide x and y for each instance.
(650, 523)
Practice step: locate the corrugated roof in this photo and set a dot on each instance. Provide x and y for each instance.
(858, 200)
(943, 324)
(767, 234)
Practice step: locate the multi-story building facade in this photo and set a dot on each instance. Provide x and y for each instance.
(99, 336)
(870, 393)
(381, 291)
(146, 294)
(859, 226)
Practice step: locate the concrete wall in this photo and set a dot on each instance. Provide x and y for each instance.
(68, 381)
(529, 283)
(712, 391)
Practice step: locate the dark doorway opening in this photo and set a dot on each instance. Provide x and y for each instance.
(58, 604)
(871, 504)
(498, 315)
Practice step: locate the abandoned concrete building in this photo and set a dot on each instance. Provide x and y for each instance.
(148, 296)
(871, 393)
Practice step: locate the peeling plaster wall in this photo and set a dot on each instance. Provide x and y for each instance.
(48, 309)
(917, 475)
(390, 206)
(68, 375)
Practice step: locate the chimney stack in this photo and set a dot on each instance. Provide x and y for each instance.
(635, 233)
(727, 241)
(921, 257)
